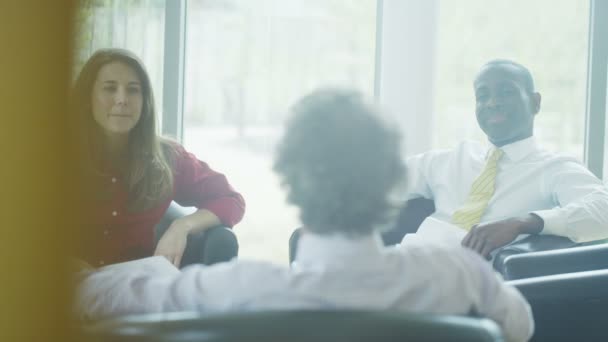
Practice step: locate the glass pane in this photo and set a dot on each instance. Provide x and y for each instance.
(246, 63)
(547, 36)
(136, 25)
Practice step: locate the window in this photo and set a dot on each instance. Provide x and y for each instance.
(246, 63)
(550, 37)
(136, 25)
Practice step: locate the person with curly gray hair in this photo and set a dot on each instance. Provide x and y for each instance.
(340, 162)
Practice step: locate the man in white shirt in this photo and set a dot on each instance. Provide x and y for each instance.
(339, 162)
(528, 190)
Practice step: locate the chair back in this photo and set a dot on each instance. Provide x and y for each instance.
(340, 325)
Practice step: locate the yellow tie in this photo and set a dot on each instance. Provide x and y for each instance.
(481, 191)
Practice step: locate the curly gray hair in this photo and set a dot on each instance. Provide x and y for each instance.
(340, 161)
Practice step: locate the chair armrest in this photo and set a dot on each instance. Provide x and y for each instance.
(575, 259)
(567, 307)
(532, 243)
(567, 287)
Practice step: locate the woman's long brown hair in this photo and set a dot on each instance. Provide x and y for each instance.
(148, 175)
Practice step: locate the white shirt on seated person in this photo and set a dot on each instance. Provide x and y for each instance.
(570, 200)
(330, 272)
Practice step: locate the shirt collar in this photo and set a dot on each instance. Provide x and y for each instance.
(315, 250)
(518, 150)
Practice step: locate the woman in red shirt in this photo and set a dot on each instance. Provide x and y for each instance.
(135, 173)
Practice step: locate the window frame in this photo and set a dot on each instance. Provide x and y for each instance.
(172, 116)
(597, 67)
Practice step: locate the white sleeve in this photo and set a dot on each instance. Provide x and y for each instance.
(582, 214)
(498, 300)
(154, 285)
(139, 286)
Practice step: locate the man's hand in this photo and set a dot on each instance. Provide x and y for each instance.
(485, 238)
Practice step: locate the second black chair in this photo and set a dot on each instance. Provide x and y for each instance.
(217, 244)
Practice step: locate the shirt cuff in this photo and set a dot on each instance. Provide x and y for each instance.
(554, 222)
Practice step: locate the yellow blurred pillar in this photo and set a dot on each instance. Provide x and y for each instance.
(36, 169)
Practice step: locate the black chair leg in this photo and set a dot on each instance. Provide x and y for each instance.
(218, 244)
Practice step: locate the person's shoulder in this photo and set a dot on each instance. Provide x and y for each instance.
(243, 272)
(256, 265)
(450, 270)
(473, 147)
(177, 154)
(244, 267)
(429, 155)
(462, 149)
(553, 155)
(448, 258)
(459, 147)
(558, 159)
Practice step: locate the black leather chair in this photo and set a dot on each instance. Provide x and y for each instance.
(217, 244)
(530, 244)
(568, 307)
(575, 259)
(410, 217)
(340, 325)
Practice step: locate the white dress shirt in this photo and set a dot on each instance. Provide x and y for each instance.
(571, 201)
(330, 272)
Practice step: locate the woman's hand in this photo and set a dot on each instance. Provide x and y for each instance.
(173, 242)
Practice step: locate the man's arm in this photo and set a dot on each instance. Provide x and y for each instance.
(582, 214)
(153, 285)
(139, 286)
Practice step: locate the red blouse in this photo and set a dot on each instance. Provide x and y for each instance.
(120, 235)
